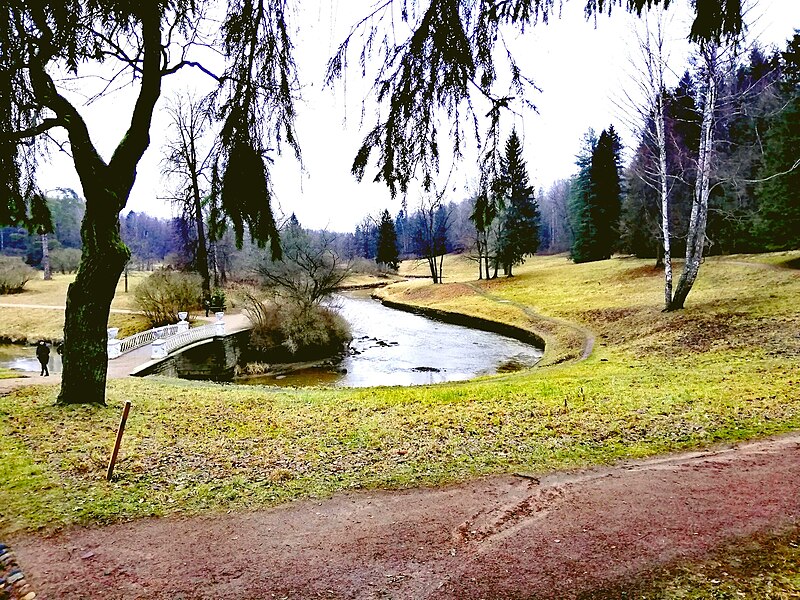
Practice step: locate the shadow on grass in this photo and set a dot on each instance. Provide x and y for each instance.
(794, 263)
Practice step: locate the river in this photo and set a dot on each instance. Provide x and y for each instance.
(392, 347)
(23, 358)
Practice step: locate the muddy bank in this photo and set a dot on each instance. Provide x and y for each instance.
(479, 323)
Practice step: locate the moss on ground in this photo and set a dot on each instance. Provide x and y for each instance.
(764, 567)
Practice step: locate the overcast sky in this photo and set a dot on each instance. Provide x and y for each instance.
(579, 67)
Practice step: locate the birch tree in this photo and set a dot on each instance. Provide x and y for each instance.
(710, 69)
(650, 68)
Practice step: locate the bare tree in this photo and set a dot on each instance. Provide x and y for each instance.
(711, 70)
(189, 165)
(309, 270)
(430, 234)
(557, 234)
(650, 68)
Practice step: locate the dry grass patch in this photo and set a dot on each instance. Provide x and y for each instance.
(27, 325)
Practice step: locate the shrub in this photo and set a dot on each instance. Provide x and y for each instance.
(284, 330)
(217, 298)
(364, 266)
(165, 293)
(14, 274)
(65, 260)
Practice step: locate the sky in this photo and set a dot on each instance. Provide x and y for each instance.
(578, 66)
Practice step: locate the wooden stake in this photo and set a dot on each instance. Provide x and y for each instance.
(120, 431)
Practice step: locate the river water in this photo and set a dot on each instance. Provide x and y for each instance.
(23, 358)
(392, 347)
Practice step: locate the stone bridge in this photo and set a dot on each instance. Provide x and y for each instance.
(206, 352)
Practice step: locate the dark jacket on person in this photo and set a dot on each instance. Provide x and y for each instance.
(43, 353)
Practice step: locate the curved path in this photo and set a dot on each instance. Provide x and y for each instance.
(586, 334)
(121, 311)
(562, 535)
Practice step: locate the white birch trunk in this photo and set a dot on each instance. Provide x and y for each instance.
(664, 191)
(697, 223)
(46, 258)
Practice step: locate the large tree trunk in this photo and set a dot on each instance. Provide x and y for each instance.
(89, 302)
(696, 237)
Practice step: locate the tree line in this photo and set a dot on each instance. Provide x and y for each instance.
(751, 177)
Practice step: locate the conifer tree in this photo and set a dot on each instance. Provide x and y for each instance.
(597, 199)
(519, 234)
(387, 242)
(606, 191)
(778, 221)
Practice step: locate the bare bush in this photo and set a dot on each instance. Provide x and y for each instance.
(14, 274)
(165, 293)
(285, 330)
(65, 260)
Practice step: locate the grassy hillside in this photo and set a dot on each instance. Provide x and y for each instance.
(724, 369)
(20, 322)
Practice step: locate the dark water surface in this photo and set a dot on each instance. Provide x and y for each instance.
(392, 347)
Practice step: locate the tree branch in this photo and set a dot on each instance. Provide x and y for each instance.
(191, 63)
(45, 125)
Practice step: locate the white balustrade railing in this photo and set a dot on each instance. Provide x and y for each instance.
(162, 347)
(189, 337)
(164, 339)
(140, 339)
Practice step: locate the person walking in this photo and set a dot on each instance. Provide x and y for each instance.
(43, 354)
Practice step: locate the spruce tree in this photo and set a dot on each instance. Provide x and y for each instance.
(599, 201)
(387, 242)
(778, 221)
(583, 231)
(519, 234)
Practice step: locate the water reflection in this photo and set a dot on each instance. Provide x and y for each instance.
(392, 347)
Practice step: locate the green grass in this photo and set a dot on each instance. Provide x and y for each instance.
(765, 567)
(725, 369)
(8, 373)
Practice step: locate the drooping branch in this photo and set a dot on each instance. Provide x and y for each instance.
(30, 132)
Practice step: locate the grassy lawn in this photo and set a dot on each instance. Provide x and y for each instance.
(764, 567)
(26, 325)
(725, 369)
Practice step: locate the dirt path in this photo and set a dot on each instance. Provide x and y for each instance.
(586, 334)
(121, 311)
(560, 536)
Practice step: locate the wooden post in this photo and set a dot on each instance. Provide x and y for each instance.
(120, 431)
